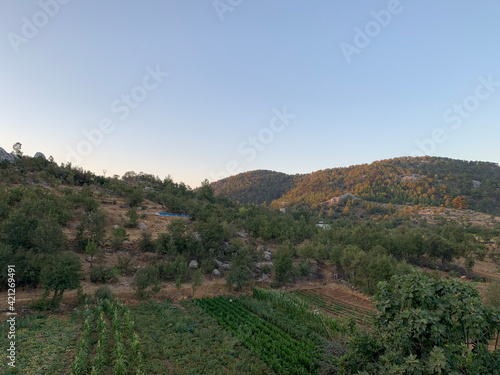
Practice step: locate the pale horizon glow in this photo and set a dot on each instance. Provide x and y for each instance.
(428, 77)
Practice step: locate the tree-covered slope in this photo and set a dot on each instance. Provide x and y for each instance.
(425, 180)
(254, 187)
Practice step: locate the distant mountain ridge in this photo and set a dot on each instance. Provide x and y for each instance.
(425, 180)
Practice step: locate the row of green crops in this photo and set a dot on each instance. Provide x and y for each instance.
(282, 352)
(300, 311)
(82, 364)
(335, 307)
(108, 336)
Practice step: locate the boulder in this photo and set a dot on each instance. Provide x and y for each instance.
(116, 226)
(142, 226)
(224, 266)
(39, 155)
(216, 272)
(268, 255)
(193, 264)
(197, 236)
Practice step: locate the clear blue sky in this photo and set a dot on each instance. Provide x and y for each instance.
(232, 67)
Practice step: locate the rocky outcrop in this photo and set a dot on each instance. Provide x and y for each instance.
(5, 156)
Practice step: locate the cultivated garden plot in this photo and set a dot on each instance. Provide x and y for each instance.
(44, 345)
(108, 342)
(335, 307)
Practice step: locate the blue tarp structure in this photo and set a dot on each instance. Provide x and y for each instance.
(166, 214)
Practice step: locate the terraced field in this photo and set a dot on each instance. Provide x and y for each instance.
(335, 307)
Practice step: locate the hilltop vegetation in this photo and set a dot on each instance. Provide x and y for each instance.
(424, 180)
(255, 187)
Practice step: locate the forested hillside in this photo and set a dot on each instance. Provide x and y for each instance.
(425, 180)
(254, 187)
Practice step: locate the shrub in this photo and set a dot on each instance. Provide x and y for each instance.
(98, 274)
(133, 216)
(104, 293)
(124, 265)
(146, 242)
(118, 235)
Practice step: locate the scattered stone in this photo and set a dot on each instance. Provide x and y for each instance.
(216, 272)
(193, 264)
(263, 264)
(224, 266)
(142, 226)
(263, 278)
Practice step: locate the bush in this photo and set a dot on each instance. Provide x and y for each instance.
(133, 216)
(146, 242)
(124, 265)
(98, 274)
(145, 278)
(104, 293)
(101, 273)
(42, 304)
(118, 235)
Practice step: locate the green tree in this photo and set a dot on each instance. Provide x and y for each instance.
(91, 227)
(205, 191)
(92, 249)
(61, 273)
(48, 238)
(136, 197)
(426, 326)
(283, 264)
